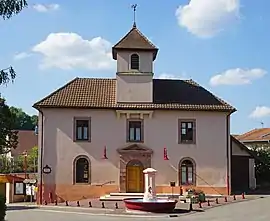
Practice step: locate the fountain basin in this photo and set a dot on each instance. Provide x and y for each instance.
(156, 206)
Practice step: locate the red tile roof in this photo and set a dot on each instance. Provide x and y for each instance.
(101, 94)
(134, 40)
(258, 134)
(26, 141)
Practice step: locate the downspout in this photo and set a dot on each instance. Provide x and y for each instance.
(228, 151)
(41, 159)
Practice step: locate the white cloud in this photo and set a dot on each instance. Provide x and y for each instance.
(21, 55)
(206, 18)
(172, 76)
(260, 112)
(237, 76)
(46, 8)
(70, 50)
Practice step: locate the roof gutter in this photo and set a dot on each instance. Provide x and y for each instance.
(253, 141)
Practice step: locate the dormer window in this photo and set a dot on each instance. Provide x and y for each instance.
(134, 62)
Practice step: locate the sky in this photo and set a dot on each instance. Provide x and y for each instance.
(221, 44)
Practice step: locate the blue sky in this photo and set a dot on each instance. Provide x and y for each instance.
(221, 44)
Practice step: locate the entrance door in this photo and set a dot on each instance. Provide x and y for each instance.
(134, 178)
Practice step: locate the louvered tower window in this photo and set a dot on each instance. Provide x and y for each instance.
(134, 62)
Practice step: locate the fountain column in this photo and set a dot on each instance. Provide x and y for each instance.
(149, 175)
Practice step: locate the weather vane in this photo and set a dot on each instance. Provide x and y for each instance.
(134, 7)
(262, 123)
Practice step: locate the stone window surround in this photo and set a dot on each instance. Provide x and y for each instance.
(127, 130)
(75, 128)
(180, 171)
(74, 169)
(194, 130)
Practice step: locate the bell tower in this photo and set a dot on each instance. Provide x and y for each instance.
(135, 55)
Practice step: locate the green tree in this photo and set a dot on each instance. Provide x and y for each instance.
(32, 160)
(8, 8)
(8, 137)
(22, 120)
(262, 163)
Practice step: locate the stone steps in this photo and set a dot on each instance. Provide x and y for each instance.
(122, 196)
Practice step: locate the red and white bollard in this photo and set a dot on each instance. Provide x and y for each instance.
(243, 196)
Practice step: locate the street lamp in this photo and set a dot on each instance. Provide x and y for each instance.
(36, 130)
(25, 170)
(25, 164)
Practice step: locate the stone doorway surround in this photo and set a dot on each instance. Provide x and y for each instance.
(132, 152)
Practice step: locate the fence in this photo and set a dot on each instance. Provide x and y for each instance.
(18, 165)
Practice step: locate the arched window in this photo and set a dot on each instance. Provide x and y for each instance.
(82, 170)
(187, 172)
(134, 62)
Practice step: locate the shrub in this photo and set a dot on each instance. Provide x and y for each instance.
(3, 207)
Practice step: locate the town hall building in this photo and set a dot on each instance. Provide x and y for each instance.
(97, 135)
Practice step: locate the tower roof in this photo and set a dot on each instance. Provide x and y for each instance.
(134, 40)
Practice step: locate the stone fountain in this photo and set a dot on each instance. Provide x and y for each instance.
(150, 202)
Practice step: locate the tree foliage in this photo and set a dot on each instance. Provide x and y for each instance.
(262, 163)
(8, 137)
(13, 119)
(23, 121)
(8, 8)
(17, 164)
(7, 75)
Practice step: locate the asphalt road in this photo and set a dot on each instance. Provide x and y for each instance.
(249, 210)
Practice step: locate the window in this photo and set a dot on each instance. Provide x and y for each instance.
(134, 62)
(82, 129)
(19, 188)
(135, 131)
(187, 132)
(187, 173)
(82, 170)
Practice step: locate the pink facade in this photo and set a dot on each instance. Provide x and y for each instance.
(209, 152)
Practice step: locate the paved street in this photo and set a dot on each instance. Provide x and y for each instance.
(249, 210)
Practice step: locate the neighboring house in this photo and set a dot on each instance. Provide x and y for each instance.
(27, 139)
(134, 116)
(242, 167)
(259, 137)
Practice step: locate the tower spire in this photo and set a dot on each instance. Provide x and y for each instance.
(134, 7)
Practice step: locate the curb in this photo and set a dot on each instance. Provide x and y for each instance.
(229, 203)
(73, 207)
